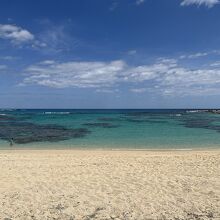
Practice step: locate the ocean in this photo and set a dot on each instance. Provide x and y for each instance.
(109, 129)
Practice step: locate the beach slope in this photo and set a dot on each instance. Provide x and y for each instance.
(84, 184)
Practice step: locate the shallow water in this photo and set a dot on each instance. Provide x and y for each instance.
(148, 129)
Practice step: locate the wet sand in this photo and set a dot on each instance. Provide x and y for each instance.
(98, 184)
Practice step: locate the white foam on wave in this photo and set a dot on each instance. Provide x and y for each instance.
(56, 113)
(192, 111)
(178, 115)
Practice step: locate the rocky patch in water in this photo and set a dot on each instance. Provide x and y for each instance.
(108, 119)
(144, 119)
(136, 120)
(102, 125)
(200, 122)
(24, 132)
(4, 117)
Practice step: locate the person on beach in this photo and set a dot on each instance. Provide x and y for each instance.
(11, 142)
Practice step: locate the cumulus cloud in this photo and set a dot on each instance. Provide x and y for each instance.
(93, 74)
(208, 3)
(148, 72)
(15, 34)
(164, 76)
(54, 38)
(75, 74)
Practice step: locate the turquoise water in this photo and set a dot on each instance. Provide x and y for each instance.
(148, 129)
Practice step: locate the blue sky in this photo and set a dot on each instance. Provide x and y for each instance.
(110, 54)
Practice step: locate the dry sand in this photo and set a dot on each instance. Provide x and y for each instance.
(74, 184)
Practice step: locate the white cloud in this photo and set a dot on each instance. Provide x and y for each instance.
(215, 64)
(75, 74)
(3, 67)
(106, 90)
(138, 2)
(55, 38)
(47, 62)
(197, 55)
(8, 58)
(208, 3)
(132, 52)
(149, 72)
(138, 90)
(193, 56)
(113, 6)
(15, 34)
(182, 81)
(165, 76)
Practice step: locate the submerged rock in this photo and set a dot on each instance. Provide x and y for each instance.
(102, 125)
(144, 119)
(108, 119)
(4, 117)
(200, 122)
(24, 132)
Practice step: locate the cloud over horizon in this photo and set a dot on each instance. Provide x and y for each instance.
(208, 3)
(164, 76)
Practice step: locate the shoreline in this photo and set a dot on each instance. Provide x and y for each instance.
(212, 149)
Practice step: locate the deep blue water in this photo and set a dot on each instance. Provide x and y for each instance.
(125, 128)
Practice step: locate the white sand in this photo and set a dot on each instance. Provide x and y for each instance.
(70, 184)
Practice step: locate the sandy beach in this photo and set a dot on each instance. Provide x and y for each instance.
(84, 184)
